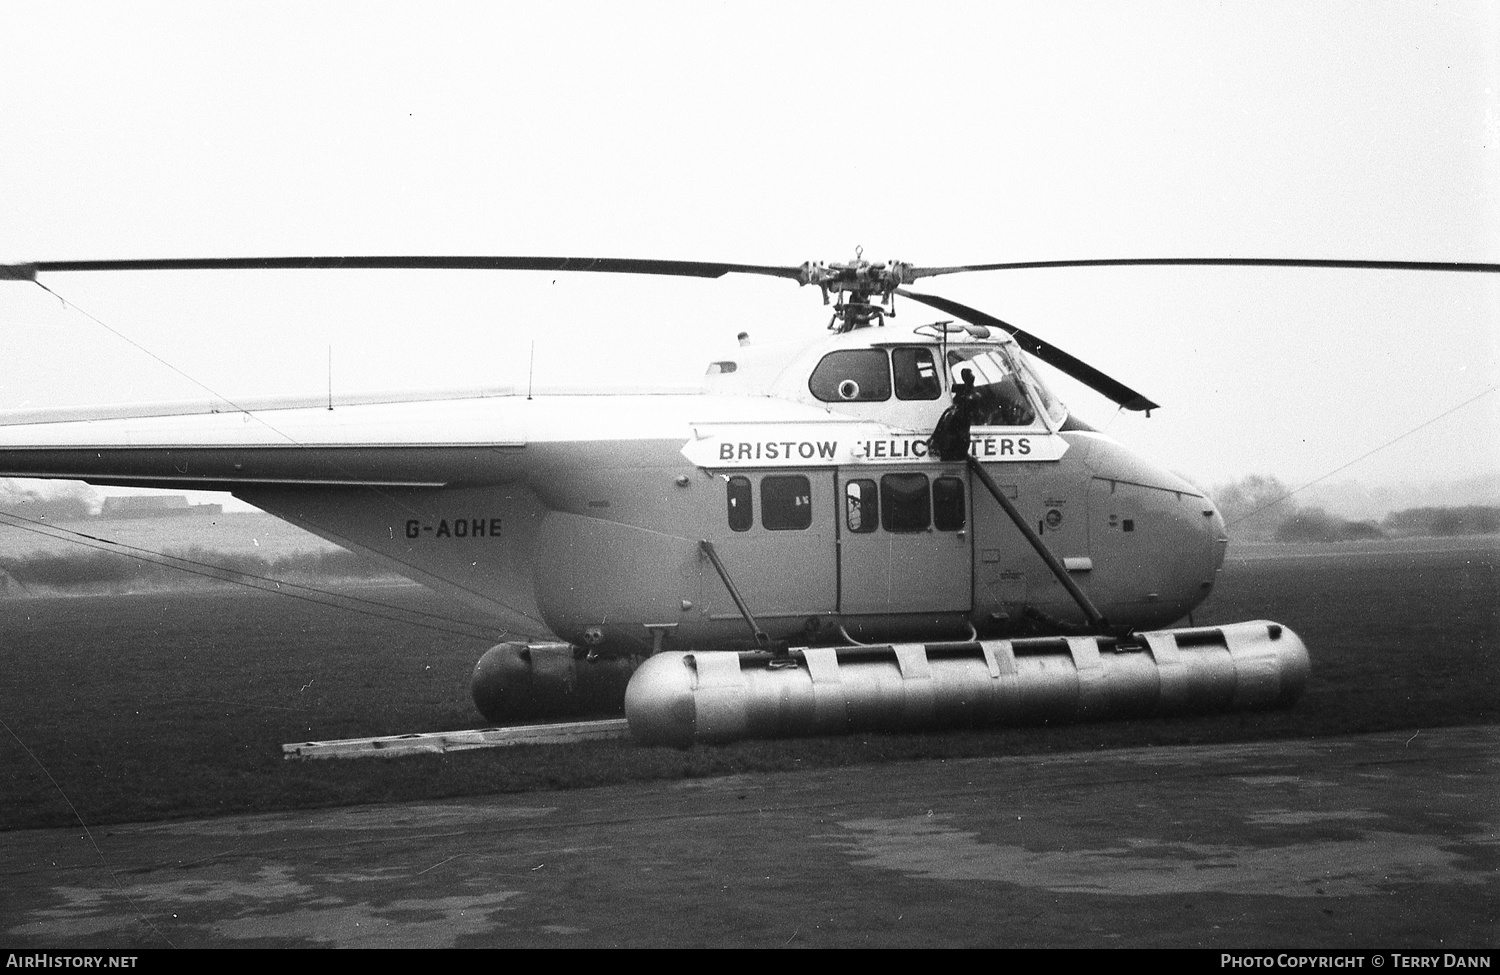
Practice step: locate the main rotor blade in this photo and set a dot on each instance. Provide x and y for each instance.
(613, 265)
(927, 272)
(803, 274)
(1043, 350)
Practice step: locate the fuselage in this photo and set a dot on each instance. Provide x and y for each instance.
(808, 473)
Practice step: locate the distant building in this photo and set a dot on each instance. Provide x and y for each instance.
(155, 506)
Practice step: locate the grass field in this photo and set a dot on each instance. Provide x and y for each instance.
(159, 705)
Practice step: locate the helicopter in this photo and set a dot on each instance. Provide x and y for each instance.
(887, 526)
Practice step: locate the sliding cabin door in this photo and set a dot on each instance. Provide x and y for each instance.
(904, 544)
(777, 540)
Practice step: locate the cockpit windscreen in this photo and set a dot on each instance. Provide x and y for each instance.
(1008, 393)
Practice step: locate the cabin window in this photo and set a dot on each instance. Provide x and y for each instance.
(785, 502)
(861, 506)
(948, 509)
(852, 376)
(905, 503)
(741, 514)
(916, 374)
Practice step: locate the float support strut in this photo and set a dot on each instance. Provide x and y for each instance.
(1096, 620)
(762, 638)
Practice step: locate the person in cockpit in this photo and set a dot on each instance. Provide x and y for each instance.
(1005, 404)
(999, 398)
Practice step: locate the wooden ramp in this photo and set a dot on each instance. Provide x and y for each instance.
(439, 742)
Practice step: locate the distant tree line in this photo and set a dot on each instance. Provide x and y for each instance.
(1471, 519)
(1259, 508)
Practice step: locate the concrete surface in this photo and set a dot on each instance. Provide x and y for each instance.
(1384, 840)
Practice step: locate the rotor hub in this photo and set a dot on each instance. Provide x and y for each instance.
(863, 288)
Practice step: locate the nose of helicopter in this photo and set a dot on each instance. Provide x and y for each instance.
(1163, 540)
(1194, 539)
(1215, 532)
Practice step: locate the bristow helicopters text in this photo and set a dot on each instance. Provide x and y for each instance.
(894, 449)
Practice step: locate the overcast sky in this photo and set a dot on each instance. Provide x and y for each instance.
(775, 133)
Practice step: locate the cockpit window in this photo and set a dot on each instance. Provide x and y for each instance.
(916, 374)
(1051, 405)
(1004, 385)
(852, 376)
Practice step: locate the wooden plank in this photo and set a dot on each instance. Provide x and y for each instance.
(440, 742)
